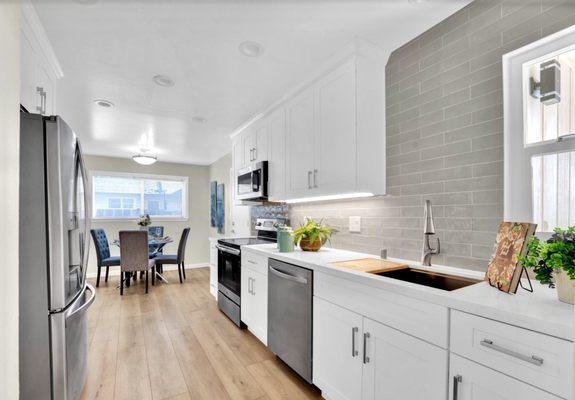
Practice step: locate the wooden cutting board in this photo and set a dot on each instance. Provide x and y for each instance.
(371, 265)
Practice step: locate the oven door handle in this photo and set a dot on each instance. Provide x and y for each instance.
(228, 250)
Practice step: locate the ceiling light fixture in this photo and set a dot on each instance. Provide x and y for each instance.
(251, 49)
(144, 159)
(163, 80)
(329, 197)
(104, 103)
(417, 3)
(86, 2)
(199, 120)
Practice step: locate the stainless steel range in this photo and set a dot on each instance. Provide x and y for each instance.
(229, 266)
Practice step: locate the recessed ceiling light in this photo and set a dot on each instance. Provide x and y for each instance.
(251, 49)
(417, 3)
(104, 103)
(163, 80)
(86, 2)
(199, 120)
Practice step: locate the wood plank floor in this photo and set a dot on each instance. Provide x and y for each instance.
(174, 343)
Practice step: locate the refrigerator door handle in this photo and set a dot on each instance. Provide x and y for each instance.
(88, 302)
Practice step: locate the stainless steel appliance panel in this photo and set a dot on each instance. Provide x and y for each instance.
(290, 295)
(252, 182)
(69, 336)
(67, 219)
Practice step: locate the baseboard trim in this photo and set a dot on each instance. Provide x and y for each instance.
(167, 267)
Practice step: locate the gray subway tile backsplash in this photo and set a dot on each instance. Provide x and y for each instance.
(445, 135)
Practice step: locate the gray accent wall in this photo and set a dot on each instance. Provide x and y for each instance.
(444, 113)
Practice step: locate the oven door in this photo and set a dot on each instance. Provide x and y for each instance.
(229, 272)
(252, 182)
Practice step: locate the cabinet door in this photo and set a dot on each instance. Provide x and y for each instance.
(300, 142)
(29, 97)
(260, 137)
(335, 140)
(238, 153)
(276, 155)
(472, 381)
(337, 353)
(247, 309)
(399, 366)
(259, 306)
(249, 147)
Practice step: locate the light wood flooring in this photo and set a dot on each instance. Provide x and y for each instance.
(174, 343)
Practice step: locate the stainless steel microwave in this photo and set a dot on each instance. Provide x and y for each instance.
(252, 182)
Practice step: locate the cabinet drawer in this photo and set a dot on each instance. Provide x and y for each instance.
(540, 360)
(255, 262)
(421, 319)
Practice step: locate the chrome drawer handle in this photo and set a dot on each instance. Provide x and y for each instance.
(354, 352)
(365, 357)
(535, 360)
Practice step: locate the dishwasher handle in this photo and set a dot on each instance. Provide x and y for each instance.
(289, 277)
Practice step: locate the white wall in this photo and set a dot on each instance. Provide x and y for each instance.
(9, 170)
(197, 249)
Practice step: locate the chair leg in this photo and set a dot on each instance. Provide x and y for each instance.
(128, 278)
(121, 283)
(135, 276)
(146, 282)
(107, 272)
(154, 275)
(180, 272)
(98, 277)
(184, 270)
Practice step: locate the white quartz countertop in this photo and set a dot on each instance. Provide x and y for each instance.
(539, 311)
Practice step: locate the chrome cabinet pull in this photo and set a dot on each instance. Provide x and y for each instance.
(253, 291)
(40, 91)
(457, 379)
(354, 352)
(250, 285)
(533, 359)
(365, 357)
(309, 179)
(315, 178)
(255, 153)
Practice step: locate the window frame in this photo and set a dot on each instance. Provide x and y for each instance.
(115, 174)
(517, 193)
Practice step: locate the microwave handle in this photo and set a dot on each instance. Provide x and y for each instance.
(255, 182)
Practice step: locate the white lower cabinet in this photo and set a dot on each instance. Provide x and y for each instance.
(213, 268)
(472, 381)
(400, 366)
(337, 353)
(254, 299)
(358, 358)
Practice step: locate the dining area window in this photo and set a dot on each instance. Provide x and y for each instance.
(128, 196)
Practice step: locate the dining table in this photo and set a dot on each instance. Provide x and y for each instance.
(155, 245)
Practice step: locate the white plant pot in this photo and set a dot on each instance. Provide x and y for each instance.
(565, 287)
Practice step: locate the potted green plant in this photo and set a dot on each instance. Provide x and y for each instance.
(553, 262)
(312, 235)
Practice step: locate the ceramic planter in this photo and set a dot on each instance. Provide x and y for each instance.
(565, 287)
(306, 245)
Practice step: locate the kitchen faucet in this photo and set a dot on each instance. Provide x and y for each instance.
(428, 230)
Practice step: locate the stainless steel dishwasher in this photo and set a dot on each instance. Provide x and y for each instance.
(290, 291)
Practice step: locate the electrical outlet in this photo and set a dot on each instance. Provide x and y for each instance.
(355, 224)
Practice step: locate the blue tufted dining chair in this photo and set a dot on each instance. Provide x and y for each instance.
(103, 256)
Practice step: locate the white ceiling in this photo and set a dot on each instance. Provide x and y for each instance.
(112, 49)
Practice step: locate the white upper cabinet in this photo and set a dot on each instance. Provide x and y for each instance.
(276, 155)
(334, 131)
(39, 66)
(335, 136)
(238, 153)
(300, 129)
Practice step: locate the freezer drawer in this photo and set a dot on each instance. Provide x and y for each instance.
(290, 295)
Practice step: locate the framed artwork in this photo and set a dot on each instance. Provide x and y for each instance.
(220, 208)
(504, 270)
(213, 203)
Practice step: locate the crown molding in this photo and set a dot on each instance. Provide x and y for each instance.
(34, 31)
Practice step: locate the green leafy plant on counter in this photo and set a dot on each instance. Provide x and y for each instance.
(312, 230)
(553, 255)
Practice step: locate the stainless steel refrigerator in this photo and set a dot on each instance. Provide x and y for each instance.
(53, 248)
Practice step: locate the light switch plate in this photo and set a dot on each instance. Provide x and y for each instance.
(355, 224)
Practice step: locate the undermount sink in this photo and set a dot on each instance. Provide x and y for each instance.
(431, 279)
